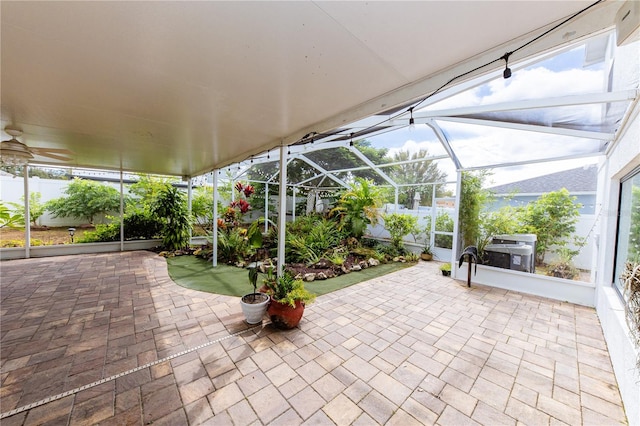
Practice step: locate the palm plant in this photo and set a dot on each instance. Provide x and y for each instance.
(357, 207)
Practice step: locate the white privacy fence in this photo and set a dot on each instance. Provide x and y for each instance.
(12, 190)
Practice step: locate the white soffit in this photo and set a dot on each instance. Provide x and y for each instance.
(184, 87)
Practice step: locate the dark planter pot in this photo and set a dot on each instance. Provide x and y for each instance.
(446, 273)
(283, 316)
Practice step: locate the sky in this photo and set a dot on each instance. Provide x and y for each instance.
(475, 145)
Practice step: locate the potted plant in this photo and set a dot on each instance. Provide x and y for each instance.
(426, 253)
(288, 299)
(446, 269)
(255, 304)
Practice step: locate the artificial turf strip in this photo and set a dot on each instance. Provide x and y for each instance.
(197, 274)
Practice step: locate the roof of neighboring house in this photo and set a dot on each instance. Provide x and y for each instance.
(582, 179)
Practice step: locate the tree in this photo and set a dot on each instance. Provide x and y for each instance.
(552, 217)
(418, 172)
(84, 200)
(146, 189)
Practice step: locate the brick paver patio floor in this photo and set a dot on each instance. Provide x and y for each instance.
(110, 339)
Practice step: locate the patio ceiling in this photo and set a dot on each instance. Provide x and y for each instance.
(182, 88)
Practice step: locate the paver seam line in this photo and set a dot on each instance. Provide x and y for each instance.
(142, 367)
(124, 373)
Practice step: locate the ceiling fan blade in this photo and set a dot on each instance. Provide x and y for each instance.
(54, 156)
(44, 151)
(55, 153)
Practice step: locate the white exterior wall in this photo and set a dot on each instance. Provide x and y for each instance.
(622, 159)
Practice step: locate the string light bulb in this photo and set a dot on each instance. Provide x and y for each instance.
(507, 71)
(412, 122)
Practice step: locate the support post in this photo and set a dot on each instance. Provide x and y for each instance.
(27, 213)
(215, 218)
(266, 207)
(395, 201)
(189, 200)
(282, 209)
(293, 211)
(121, 210)
(456, 227)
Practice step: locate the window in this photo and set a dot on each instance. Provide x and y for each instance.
(628, 239)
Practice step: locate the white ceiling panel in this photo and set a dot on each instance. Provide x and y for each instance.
(184, 87)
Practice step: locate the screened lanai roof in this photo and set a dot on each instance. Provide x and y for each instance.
(562, 105)
(182, 88)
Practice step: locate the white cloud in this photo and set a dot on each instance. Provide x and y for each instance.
(538, 83)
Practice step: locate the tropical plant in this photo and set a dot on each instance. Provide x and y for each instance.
(552, 217)
(357, 207)
(287, 290)
(171, 207)
(85, 199)
(36, 207)
(233, 245)
(399, 225)
(308, 241)
(10, 218)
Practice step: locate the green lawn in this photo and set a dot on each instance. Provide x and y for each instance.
(197, 274)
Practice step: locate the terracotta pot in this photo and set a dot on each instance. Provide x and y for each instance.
(283, 316)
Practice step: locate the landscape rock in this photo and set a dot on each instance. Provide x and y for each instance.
(323, 264)
(321, 276)
(356, 267)
(373, 262)
(309, 277)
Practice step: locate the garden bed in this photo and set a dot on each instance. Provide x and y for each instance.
(40, 235)
(198, 274)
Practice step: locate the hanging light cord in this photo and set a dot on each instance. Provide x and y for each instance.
(504, 57)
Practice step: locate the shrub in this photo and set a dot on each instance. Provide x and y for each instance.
(552, 217)
(171, 208)
(398, 226)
